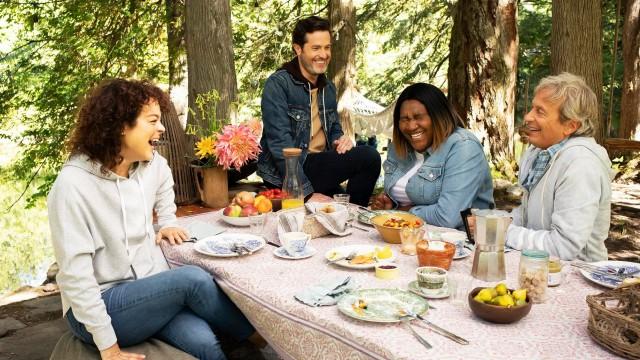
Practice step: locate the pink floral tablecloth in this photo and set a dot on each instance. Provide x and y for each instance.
(263, 287)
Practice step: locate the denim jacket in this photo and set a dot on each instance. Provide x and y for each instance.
(452, 178)
(286, 114)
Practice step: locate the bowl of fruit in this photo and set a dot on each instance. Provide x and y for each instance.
(390, 224)
(499, 304)
(243, 205)
(275, 195)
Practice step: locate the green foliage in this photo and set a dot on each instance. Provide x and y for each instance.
(534, 52)
(400, 43)
(25, 247)
(62, 49)
(262, 41)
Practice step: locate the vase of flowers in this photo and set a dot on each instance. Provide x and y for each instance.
(219, 147)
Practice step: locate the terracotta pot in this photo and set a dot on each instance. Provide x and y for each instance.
(212, 186)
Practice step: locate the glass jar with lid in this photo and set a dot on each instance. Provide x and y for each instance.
(534, 273)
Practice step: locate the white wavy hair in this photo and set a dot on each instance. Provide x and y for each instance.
(578, 101)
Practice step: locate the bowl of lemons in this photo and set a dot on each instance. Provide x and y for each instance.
(499, 304)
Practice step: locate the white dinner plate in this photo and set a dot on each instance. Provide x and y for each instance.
(220, 245)
(343, 251)
(604, 280)
(280, 252)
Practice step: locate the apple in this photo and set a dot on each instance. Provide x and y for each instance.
(244, 198)
(232, 210)
(248, 210)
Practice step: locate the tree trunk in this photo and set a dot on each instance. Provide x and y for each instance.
(630, 107)
(576, 45)
(175, 41)
(482, 73)
(342, 68)
(210, 54)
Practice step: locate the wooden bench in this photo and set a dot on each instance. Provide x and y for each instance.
(618, 145)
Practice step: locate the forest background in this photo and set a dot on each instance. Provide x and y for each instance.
(488, 56)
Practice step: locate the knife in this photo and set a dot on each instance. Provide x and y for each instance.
(443, 332)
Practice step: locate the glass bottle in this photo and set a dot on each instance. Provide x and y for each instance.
(292, 194)
(534, 273)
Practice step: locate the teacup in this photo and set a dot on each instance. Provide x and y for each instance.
(456, 238)
(431, 277)
(295, 243)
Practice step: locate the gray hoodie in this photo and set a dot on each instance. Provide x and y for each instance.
(568, 211)
(102, 233)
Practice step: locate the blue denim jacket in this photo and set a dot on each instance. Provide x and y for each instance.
(454, 177)
(286, 114)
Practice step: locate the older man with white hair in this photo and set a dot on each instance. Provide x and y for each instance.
(566, 175)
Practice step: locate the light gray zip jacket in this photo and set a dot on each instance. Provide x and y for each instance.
(102, 233)
(568, 211)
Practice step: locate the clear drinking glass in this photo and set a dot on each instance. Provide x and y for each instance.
(257, 223)
(409, 237)
(459, 287)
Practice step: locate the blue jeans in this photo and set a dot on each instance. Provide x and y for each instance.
(182, 307)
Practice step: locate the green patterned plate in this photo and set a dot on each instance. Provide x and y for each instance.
(366, 216)
(382, 305)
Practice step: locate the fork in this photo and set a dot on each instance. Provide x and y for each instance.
(405, 319)
(350, 256)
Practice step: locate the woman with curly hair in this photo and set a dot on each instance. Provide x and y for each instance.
(116, 286)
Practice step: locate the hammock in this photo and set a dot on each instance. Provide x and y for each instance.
(367, 117)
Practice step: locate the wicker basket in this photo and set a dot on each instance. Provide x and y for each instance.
(614, 320)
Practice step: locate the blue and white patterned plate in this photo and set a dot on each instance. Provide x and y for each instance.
(220, 245)
(610, 281)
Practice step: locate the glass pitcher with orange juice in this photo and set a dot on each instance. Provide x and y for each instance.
(293, 196)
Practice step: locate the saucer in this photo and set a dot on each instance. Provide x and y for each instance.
(464, 253)
(280, 252)
(441, 293)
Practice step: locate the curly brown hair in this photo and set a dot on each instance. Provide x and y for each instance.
(104, 113)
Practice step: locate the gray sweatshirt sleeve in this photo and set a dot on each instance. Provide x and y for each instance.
(575, 202)
(164, 203)
(73, 247)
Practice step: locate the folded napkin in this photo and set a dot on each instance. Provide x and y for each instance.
(199, 230)
(326, 293)
(336, 221)
(290, 220)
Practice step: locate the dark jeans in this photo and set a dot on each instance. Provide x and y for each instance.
(360, 166)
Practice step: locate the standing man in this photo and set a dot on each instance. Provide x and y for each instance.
(299, 109)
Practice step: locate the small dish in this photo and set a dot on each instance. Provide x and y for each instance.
(387, 270)
(441, 293)
(308, 252)
(466, 251)
(381, 305)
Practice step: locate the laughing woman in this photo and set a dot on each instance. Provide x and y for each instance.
(117, 289)
(434, 168)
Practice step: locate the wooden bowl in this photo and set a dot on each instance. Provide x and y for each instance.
(392, 234)
(498, 314)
